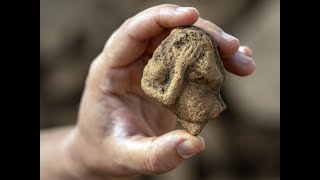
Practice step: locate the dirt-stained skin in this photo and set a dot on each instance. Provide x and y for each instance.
(185, 74)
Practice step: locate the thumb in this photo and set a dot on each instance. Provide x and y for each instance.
(155, 155)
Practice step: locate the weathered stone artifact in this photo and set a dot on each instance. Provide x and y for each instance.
(185, 74)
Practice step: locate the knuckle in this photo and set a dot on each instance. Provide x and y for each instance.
(155, 165)
(95, 69)
(207, 22)
(95, 63)
(219, 30)
(127, 22)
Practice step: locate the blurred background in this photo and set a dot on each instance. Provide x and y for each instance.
(243, 144)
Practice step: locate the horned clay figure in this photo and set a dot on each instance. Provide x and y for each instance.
(185, 74)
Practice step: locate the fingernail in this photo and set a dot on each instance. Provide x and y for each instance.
(184, 9)
(228, 37)
(242, 49)
(243, 59)
(202, 142)
(186, 149)
(245, 50)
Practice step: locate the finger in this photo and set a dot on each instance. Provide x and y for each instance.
(161, 154)
(155, 42)
(227, 44)
(131, 39)
(236, 59)
(245, 50)
(239, 64)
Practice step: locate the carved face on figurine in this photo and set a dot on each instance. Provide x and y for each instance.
(185, 74)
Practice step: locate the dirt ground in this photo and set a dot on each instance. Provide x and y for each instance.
(243, 144)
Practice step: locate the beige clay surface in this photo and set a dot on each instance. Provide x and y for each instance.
(185, 74)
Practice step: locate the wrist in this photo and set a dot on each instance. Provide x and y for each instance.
(73, 163)
(72, 158)
(76, 156)
(69, 158)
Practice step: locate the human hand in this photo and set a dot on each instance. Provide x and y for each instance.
(120, 131)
